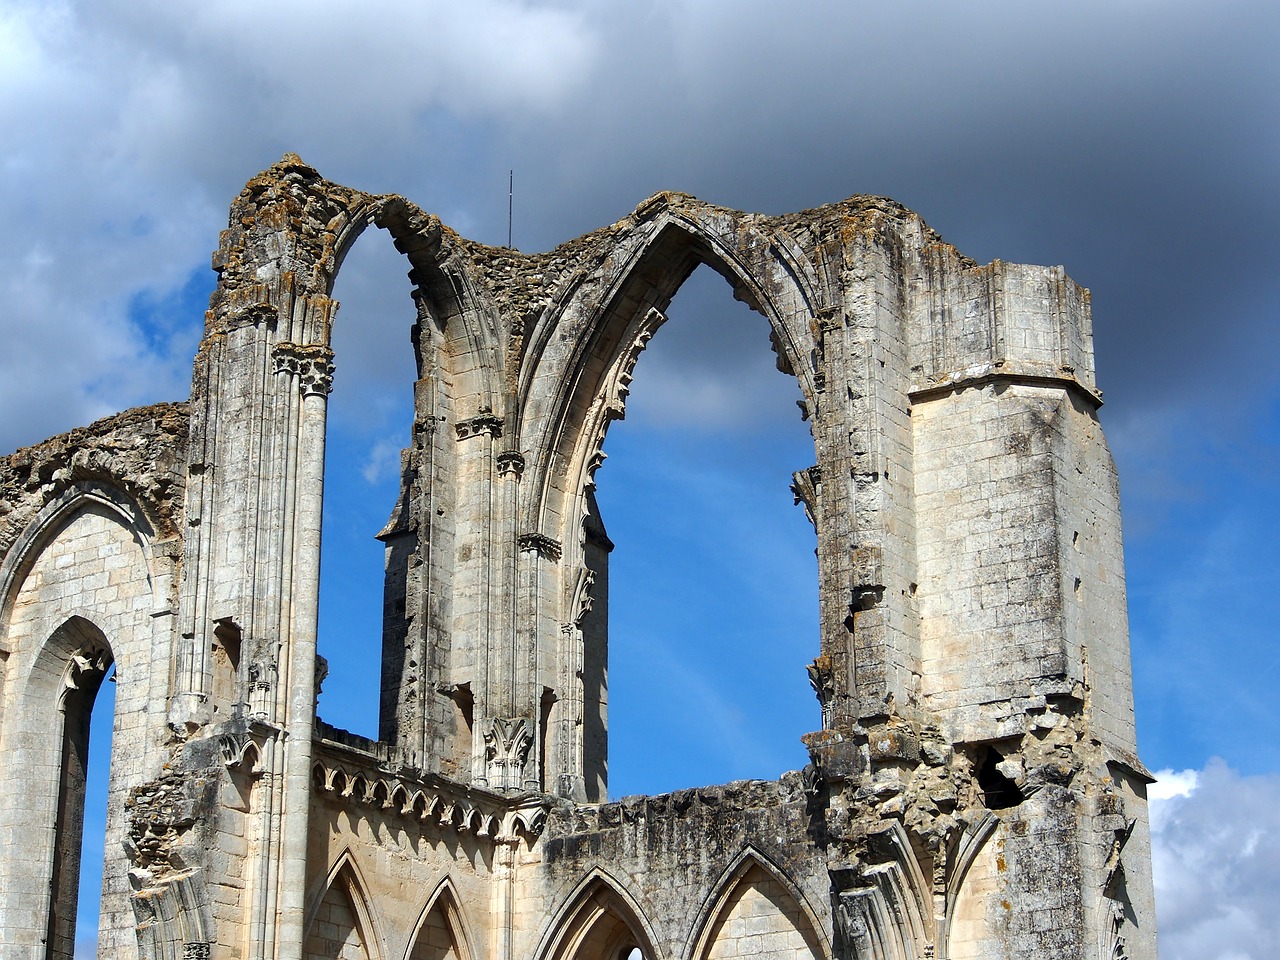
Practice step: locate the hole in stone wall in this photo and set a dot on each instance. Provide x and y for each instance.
(998, 791)
(369, 422)
(713, 582)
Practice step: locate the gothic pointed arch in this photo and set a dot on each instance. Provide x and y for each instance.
(79, 593)
(454, 311)
(290, 213)
(442, 931)
(574, 379)
(56, 515)
(581, 353)
(341, 924)
(599, 920)
(81, 656)
(754, 898)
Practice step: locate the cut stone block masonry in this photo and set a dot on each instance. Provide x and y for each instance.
(974, 790)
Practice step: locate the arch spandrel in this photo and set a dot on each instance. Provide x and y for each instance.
(54, 517)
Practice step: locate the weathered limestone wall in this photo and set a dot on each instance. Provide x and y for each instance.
(697, 873)
(85, 587)
(974, 790)
(990, 585)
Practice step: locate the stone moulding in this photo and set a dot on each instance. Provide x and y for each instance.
(358, 781)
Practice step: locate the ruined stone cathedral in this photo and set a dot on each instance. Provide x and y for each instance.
(973, 792)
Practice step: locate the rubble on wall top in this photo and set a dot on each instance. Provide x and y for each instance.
(291, 197)
(140, 450)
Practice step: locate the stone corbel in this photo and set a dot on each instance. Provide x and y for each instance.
(89, 660)
(484, 424)
(806, 487)
(867, 588)
(542, 545)
(581, 603)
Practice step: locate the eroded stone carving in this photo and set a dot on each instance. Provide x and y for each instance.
(312, 364)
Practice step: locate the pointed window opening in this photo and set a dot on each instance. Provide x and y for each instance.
(439, 935)
(369, 419)
(713, 581)
(87, 711)
(601, 926)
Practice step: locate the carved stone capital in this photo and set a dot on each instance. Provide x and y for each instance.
(511, 463)
(822, 679)
(540, 544)
(828, 318)
(483, 424)
(311, 363)
(252, 315)
(507, 742)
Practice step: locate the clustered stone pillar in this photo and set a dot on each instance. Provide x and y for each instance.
(312, 368)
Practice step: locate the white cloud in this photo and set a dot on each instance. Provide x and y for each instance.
(131, 125)
(1216, 857)
(137, 121)
(383, 462)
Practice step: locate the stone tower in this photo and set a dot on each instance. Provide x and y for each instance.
(974, 791)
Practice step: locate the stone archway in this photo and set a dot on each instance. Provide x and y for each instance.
(78, 602)
(579, 361)
(599, 922)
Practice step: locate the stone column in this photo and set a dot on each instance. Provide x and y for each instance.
(313, 367)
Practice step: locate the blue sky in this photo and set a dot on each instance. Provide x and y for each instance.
(1136, 143)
